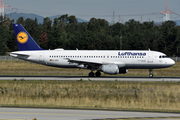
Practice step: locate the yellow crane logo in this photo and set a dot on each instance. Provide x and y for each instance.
(22, 37)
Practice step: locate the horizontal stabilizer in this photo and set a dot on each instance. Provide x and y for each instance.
(15, 54)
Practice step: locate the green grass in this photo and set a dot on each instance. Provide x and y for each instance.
(117, 95)
(27, 68)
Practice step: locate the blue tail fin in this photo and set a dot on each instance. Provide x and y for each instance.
(24, 41)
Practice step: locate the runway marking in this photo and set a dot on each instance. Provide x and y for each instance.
(68, 114)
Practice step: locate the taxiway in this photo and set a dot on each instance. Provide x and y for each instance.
(73, 114)
(103, 78)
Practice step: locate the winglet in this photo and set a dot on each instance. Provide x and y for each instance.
(24, 41)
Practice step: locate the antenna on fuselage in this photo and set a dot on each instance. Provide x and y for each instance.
(149, 49)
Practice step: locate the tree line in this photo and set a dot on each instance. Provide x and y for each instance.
(97, 34)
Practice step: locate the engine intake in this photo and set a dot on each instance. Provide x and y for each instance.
(110, 69)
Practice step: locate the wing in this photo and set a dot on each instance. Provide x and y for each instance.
(84, 61)
(87, 63)
(94, 64)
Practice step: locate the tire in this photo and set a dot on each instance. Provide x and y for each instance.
(91, 74)
(151, 75)
(98, 74)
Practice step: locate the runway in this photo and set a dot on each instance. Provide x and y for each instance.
(70, 114)
(103, 78)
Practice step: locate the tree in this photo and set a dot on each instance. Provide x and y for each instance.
(47, 24)
(72, 19)
(2, 42)
(43, 40)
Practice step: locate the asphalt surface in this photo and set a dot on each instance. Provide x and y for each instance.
(103, 78)
(70, 114)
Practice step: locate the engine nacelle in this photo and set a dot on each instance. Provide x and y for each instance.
(110, 69)
(80, 66)
(123, 71)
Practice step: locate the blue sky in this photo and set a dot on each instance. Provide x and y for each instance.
(86, 9)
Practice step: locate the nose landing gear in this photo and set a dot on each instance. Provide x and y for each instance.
(150, 73)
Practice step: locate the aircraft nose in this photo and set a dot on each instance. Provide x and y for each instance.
(171, 62)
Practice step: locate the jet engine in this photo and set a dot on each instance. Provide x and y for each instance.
(110, 69)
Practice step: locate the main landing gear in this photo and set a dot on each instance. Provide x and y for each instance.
(91, 74)
(150, 73)
(98, 74)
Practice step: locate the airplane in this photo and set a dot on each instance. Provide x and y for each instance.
(107, 61)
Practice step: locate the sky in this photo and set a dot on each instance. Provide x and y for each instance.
(140, 10)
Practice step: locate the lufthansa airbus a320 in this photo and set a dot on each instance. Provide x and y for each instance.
(107, 61)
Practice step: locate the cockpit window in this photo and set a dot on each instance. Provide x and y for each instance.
(163, 56)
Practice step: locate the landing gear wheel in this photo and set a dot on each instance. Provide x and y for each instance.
(98, 74)
(91, 74)
(150, 73)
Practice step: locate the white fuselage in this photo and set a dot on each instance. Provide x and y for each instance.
(127, 59)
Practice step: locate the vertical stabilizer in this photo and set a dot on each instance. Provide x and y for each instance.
(24, 41)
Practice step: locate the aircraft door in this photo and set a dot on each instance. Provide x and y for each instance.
(150, 57)
(41, 57)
